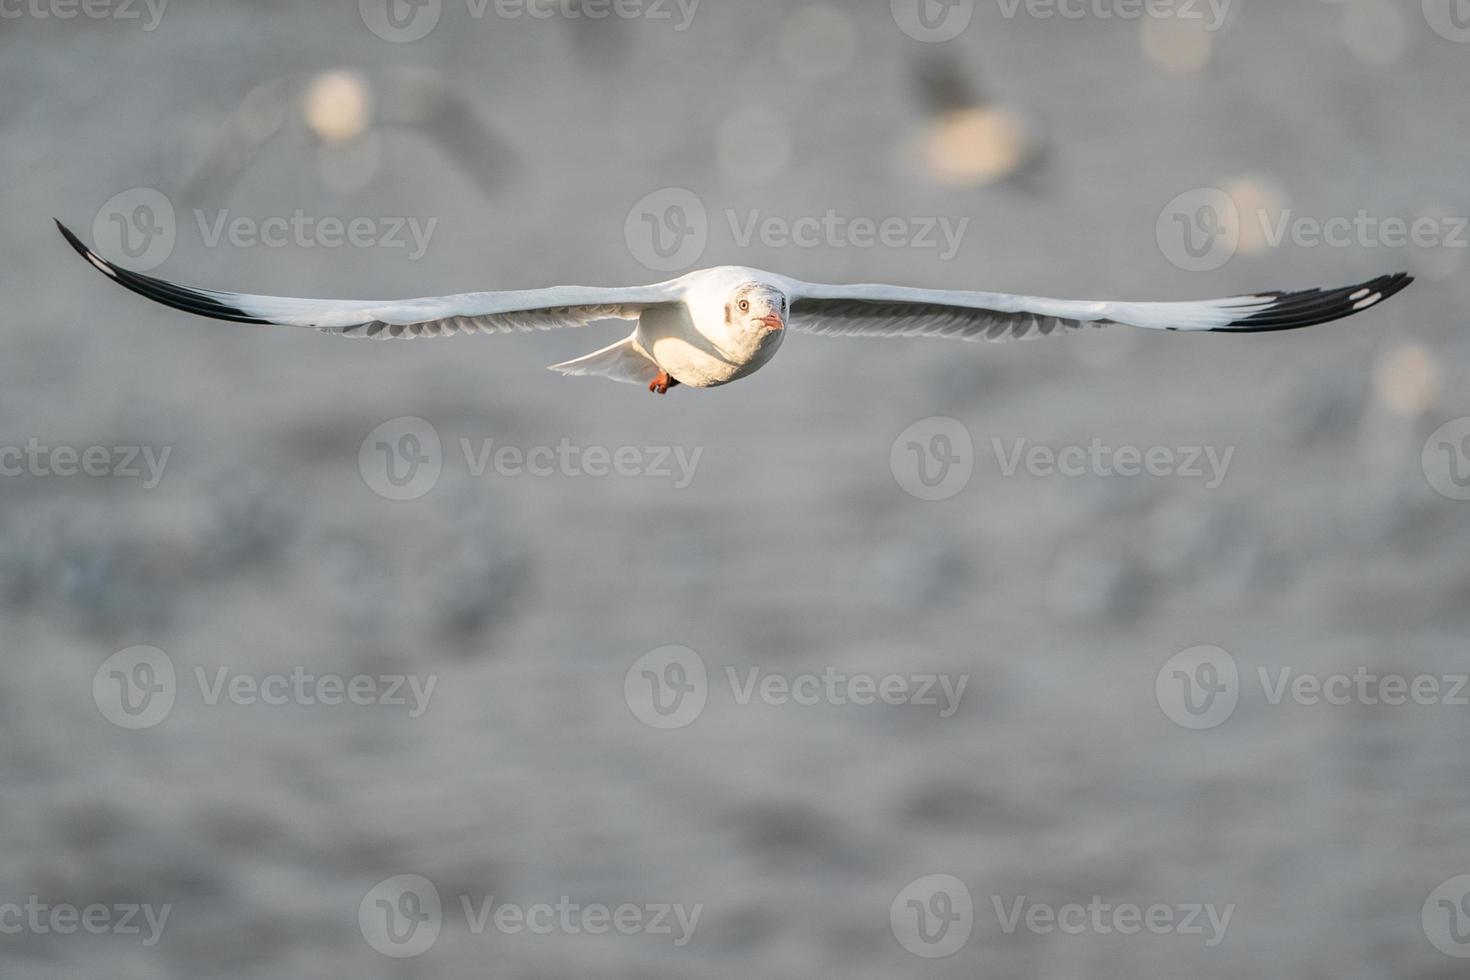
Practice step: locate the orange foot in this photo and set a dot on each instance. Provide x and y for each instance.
(663, 383)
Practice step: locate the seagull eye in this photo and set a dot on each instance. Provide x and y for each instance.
(745, 306)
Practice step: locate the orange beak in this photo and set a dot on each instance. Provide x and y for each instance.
(773, 321)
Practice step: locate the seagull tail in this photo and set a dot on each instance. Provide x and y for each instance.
(623, 361)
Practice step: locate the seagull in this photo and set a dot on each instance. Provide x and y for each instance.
(417, 99)
(718, 325)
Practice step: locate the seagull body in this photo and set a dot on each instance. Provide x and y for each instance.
(714, 326)
(718, 326)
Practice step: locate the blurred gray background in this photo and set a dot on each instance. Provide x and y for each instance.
(530, 143)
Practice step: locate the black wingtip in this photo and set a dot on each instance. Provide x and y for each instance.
(179, 297)
(72, 239)
(1307, 308)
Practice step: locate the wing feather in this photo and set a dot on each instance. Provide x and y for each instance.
(895, 311)
(430, 316)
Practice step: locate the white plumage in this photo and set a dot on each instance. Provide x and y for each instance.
(718, 325)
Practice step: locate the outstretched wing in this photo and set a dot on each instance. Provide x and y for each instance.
(430, 316)
(895, 311)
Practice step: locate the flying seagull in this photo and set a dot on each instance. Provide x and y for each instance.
(718, 325)
(410, 98)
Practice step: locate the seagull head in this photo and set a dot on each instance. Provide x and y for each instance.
(756, 308)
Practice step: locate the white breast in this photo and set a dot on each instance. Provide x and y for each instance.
(693, 345)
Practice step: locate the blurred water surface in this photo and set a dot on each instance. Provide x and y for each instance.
(524, 143)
